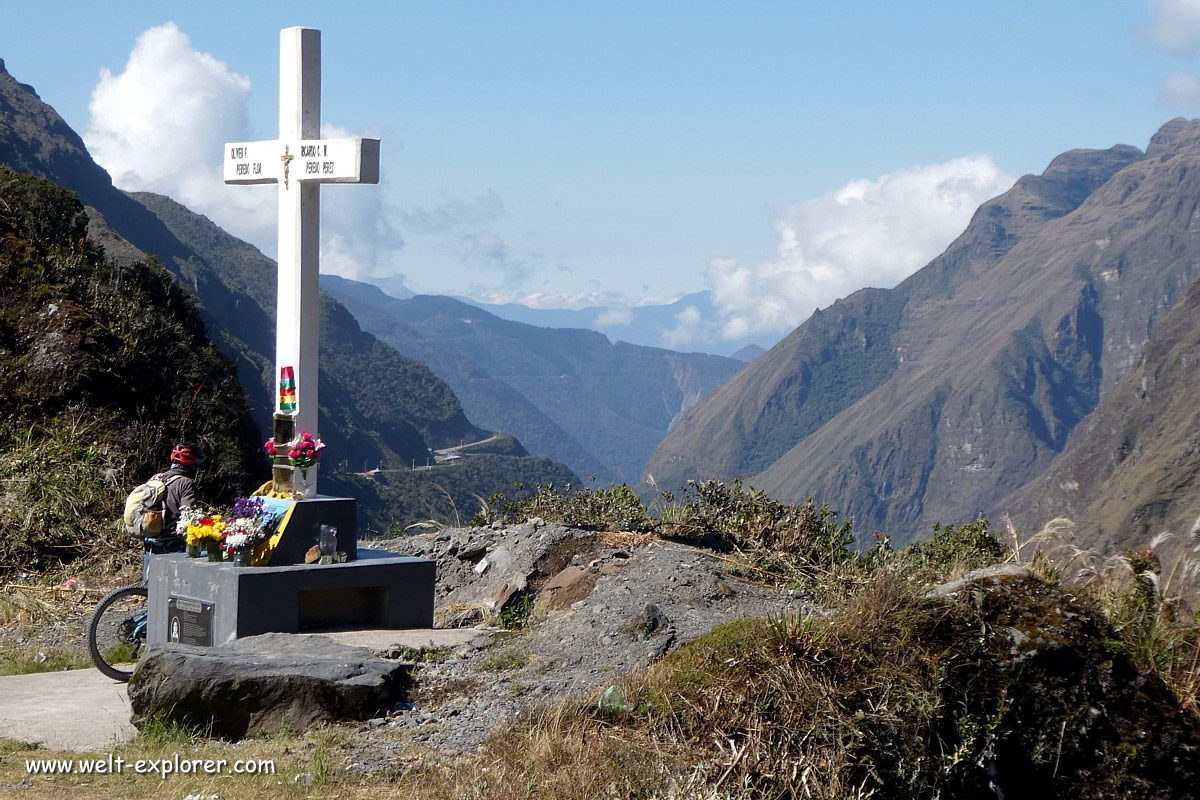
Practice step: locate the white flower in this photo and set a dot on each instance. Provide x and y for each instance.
(237, 541)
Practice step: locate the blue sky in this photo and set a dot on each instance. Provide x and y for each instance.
(780, 154)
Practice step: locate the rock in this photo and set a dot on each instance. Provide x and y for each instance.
(988, 575)
(472, 551)
(262, 684)
(562, 591)
(1080, 718)
(506, 592)
(482, 566)
(653, 619)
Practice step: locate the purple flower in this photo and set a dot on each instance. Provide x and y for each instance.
(247, 507)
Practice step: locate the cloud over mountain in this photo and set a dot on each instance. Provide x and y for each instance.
(159, 126)
(867, 233)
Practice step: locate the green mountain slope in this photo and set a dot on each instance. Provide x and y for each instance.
(607, 404)
(102, 368)
(487, 399)
(985, 360)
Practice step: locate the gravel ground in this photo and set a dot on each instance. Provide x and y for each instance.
(601, 606)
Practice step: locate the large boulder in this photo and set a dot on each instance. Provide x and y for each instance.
(1074, 714)
(263, 684)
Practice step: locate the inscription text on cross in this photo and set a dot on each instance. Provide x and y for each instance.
(299, 161)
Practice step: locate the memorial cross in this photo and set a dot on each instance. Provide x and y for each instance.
(299, 161)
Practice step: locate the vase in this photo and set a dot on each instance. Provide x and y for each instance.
(304, 482)
(242, 557)
(193, 551)
(214, 550)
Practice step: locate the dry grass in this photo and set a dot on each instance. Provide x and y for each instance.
(1145, 594)
(312, 757)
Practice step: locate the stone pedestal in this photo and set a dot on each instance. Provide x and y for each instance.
(193, 601)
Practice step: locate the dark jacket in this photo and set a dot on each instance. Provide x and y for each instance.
(180, 494)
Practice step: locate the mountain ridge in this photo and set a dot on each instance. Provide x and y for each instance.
(999, 347)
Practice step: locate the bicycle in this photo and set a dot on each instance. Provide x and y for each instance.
(116, 633)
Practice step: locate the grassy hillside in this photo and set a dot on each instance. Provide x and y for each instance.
(102, 368)
(447, 495)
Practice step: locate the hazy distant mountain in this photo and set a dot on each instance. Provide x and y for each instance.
(935, 400)
(649, 325)
(569, 393)
(748, 353)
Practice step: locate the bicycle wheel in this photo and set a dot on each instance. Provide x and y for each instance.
(117, 632)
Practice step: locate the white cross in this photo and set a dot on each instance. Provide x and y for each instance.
(299, 161)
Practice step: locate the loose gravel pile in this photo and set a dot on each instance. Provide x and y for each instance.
(592, 608)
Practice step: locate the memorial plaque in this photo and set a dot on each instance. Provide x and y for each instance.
(189, 621)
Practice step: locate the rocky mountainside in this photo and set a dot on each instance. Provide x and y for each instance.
(935, 400)
(571, 394)
(234, 284)
(1131, 469)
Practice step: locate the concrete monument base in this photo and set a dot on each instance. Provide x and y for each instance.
(194, 601)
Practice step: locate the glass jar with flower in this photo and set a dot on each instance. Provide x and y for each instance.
(246, 527)
(205, 529)
(305, 452)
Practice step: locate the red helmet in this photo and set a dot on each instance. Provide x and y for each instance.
(188, 454)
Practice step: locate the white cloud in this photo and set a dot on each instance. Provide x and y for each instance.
(160, 124)
(1176, 26)
(357, 237)
(614, 317)
(466, 229)
(1181, 89)
(868, 233)
(568, 300)
(689, 327)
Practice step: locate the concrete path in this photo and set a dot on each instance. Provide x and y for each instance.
(81, 710)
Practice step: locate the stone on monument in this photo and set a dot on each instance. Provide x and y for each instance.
(264, 684)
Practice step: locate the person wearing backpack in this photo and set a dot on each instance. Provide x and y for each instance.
(152, 509)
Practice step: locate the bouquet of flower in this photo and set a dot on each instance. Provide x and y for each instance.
(304, 450)
(199, 524)
(247, 524)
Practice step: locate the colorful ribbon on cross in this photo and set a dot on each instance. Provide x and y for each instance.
(287, 389)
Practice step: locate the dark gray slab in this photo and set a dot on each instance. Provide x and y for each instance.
(214, 603)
